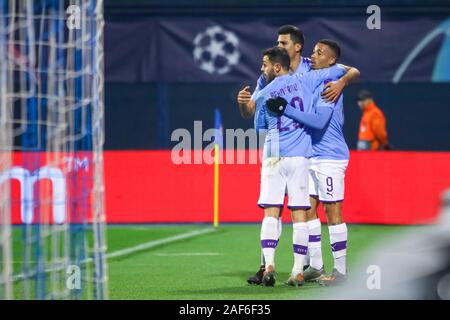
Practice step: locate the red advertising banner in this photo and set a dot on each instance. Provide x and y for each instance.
(50, 187)
(147, 187)
(381, 187)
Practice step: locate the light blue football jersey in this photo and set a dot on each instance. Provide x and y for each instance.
(304, 66)
(285, 137)
(306, 97)
(329, 142)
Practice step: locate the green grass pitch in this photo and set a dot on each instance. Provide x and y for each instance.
(214, 265)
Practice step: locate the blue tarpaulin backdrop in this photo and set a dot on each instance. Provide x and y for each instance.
(157, 49)
(165, 71)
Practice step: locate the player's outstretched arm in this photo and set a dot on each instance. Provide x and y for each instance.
(246, 105)
(318, 120)
(313, 120)
(333, 89)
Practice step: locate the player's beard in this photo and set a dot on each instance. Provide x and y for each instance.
(270, 76)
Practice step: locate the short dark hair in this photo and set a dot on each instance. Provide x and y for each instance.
(278, 55)
(295, 33)
(363, 95)
(333, 45)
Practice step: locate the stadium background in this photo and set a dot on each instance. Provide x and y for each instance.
(153, 90)
(153, 85)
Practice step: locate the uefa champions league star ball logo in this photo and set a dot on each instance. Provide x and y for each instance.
(216, 50)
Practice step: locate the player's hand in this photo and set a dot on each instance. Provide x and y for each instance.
(244, 96)
(333, 90)
(276, 105)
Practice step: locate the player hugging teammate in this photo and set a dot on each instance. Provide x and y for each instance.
(299, 102)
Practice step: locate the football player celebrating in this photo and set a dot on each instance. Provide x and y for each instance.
(287, 150)
(327, 171)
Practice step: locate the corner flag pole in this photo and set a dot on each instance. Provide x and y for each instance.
(216, 185)
(218, 144)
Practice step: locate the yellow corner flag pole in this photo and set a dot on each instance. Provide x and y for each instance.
(216, 185)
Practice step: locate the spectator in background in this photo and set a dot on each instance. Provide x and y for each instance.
(372, 128)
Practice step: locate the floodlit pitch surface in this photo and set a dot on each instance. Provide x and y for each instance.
(216, 265)
(198, 262)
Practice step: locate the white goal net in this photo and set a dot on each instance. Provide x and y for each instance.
(52, 237)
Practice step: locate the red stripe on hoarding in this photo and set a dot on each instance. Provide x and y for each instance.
(381, 187)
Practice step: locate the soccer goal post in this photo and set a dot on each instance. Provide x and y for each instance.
(52, 219)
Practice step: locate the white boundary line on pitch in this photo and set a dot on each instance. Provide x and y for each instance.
(155, 243)
(129, 250)
(188, 254)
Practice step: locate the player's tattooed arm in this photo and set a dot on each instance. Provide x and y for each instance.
(247, 106)
(333, 89)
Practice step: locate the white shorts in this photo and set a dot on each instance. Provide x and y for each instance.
(285, 175)
(326, 179)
